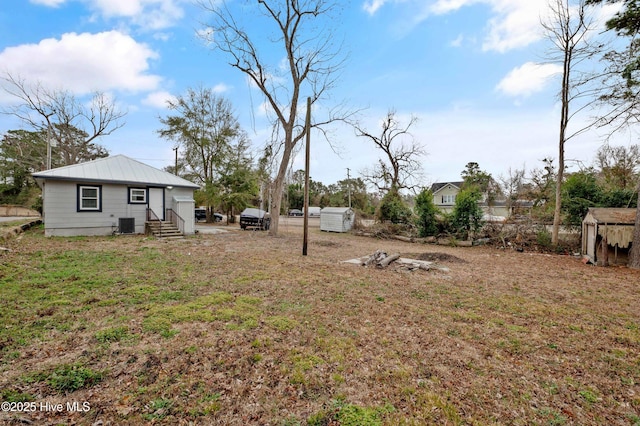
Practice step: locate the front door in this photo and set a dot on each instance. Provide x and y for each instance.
(156, 201)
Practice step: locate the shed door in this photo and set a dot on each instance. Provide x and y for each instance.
(156, 201)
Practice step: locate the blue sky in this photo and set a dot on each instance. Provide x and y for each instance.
(470, 70)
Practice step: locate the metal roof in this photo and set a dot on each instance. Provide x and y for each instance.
(338, 210)
(611, 215)
(115, 169)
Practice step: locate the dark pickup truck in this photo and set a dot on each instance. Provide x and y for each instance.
(255, 218)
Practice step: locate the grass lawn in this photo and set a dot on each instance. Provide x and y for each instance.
(239, 328)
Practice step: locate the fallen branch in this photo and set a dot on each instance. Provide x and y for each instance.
(374, 258)
(387, 260)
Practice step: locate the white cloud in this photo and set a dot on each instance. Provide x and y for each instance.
(82, 63)
(220, 88)
(528, 79)
(372, 6)
(48, 3)
(158, 99)
(441, 7)
(148, 14)
(515, 23)
(457, 42)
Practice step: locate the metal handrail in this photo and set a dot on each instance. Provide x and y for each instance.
(176, 219)
(152, 216)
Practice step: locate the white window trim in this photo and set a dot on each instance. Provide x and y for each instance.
(82, 198)
(133, 201)
(448, 199)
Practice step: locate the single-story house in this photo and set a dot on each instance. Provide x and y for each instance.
(607, 235)
(113, 195)
(337, 219)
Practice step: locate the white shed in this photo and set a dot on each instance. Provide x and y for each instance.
(336, 219)
(184, 206)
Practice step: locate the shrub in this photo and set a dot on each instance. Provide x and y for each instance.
(426, 214)
(467, 215)
(392, 208)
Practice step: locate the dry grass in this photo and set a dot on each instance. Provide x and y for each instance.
(239, 328)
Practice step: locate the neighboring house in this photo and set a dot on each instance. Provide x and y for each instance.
(444, 195)
(607, 235)
(444, 198)
(113, 195)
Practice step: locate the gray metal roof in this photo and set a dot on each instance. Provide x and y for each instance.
(338, 210)
(115, 169)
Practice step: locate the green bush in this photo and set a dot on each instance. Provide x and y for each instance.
(392, 208)
(426, 213)
(467, 214)
(579, 192)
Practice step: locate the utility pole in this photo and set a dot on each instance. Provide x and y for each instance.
(175, 170)
(48, 147)
(349, 186)
(306, 179)
(49, 139)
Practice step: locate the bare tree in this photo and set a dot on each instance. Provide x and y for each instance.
(400, 168)
(619, 165)
(513, 184)
(309, 69)
(72, 126)
(568, 29)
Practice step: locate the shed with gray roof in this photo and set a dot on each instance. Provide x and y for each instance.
(113, 195)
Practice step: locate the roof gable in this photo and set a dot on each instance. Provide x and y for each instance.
(116, 169)
(436, 187)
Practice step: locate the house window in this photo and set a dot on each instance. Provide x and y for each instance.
(137, 196)
(89, 198)
(448, 199)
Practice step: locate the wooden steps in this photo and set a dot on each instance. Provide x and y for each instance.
(164, 230)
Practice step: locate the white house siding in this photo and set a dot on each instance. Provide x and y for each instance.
(62, 218)
(448, 190)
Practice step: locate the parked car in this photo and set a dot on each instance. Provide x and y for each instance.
(295, 212)
(201, 214)
(255, 218)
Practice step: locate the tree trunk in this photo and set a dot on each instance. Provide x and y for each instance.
(564, 122)
(634, 254)
(278, 188)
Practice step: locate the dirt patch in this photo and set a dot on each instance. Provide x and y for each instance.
(437, 257)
